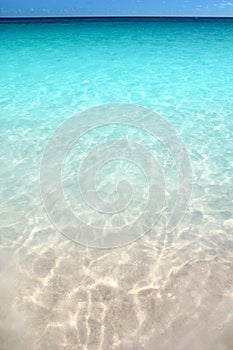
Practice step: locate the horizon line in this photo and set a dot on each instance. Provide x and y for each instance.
(116, 17)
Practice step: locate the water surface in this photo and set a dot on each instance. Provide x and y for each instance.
(163, 291)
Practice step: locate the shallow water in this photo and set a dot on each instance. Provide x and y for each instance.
(164, 291)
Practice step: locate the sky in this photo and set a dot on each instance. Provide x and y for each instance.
(116, 8)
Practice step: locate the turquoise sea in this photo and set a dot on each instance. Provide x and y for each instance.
(166, 290)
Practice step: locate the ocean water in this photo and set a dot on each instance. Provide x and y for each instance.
(165, 289)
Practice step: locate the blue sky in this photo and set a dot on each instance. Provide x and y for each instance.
(116, 7)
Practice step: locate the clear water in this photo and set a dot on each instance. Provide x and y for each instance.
(163, 291)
